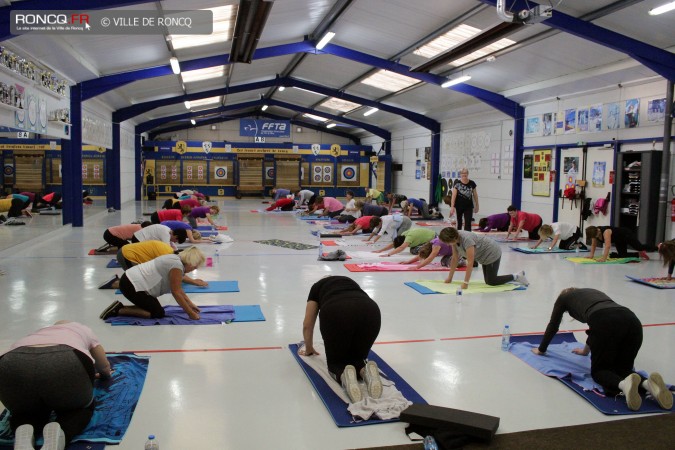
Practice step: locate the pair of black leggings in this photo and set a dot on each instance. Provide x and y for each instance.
(34, 381)
(349, 328)
(141, 299)
(464, 218)
(113, 240)
(490, 272)
(566, 244)
(615, 337)
(534, 234)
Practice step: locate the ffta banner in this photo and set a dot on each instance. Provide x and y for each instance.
(265, 128)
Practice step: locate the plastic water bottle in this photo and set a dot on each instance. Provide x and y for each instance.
(430, 443)
(217, 255)
(151, 443)
(506, 338)
(576, 248)
(458, 296)
(320, 250)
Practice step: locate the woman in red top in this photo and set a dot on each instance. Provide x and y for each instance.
(361, 224)
(166, 214)
(520, 220)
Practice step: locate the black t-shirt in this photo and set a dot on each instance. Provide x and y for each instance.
(334, 289)
(619, 235)
(464, 197)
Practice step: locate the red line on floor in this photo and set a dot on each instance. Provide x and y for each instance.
(233, 349)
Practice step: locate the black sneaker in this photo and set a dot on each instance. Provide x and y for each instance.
(3, 218)
(109, 284)
(112, 310)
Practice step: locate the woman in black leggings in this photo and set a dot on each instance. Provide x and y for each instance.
(614, 339)
(350, 323)
(464, 200)
(622, 239)
(49, 371)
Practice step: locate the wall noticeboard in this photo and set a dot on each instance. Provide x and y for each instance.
(541, 168)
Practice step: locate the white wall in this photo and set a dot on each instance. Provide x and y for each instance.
(127, 162)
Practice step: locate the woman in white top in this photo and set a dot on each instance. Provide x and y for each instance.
(142, 284)
(52, 370)
(568, 235)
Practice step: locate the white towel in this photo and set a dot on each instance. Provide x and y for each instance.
(389, 406)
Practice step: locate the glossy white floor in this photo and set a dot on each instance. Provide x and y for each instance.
(249, 393)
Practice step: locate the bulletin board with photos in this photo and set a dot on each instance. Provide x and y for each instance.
(541, 173)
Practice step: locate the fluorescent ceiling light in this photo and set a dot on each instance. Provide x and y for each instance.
(370, 112)
(264, 108)
(455, 81)
(282, 88)
(319, 118)
(447, 41)
(223, 25)
(325, 40)
(174, 65)
(339, 104)
(203, 74)
(389, 81)
(483, 52)
(205, 101)
(662, 9)
(307, 90)
(192, 121)
(331, 125)
(187, 104)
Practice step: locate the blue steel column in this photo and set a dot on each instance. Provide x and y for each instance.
(137, 164)
(71, 158)
(518, 134)
(112, 159)
(435, 163)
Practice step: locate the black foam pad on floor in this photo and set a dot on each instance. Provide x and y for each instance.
(477, 425)
(330, 235)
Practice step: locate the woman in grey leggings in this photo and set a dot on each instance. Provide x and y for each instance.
(51, 370)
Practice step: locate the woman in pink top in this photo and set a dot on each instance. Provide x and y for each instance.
(121, 235)
(52, 370)
(330, 206)
(361, 224)
(520, 220)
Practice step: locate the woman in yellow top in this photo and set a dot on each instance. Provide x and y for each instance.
(374, 194)
(13, 207)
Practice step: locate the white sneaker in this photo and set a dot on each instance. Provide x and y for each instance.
(520, 278)
(351, 384)
(629, 387)
(23, 438)
(371, 375)
(54, 438)
(659, 391)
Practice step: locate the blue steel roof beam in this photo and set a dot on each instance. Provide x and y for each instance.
(152, 124)
(419, 119)
(46, 5)
(660, 61)
(499, 102)
(134, 110)
(228, 118)
(101, 85)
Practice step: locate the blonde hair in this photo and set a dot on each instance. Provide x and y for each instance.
(546, 231)
(196, 234)
(359, 204)
(192, 256)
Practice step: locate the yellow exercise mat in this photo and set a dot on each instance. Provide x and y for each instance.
(582, 260)
(475, 287)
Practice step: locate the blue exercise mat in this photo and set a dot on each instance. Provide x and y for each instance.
(314, 218)
(545, 251)
(574, 371)
(115, 399)
(214, 286)
(210, 315)
(113, 264)
(337, 407)
(419, 288)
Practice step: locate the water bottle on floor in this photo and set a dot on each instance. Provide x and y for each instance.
(151, 443)
(217, 257)
(320, 250)
(506, 338)
(458, 295)
(430, 443)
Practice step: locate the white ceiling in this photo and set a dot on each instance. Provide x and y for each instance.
(547, 66)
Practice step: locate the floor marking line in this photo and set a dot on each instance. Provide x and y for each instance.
(202, 350)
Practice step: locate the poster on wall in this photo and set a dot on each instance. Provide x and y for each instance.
(599, 173)
(559, 123)
(656, 110)
(595, 118)
(570, 121)
(541, 177)
(613, 116)
(418, 169)
(582, 120)
(632, 117)
(527, 167)
(532, 126)
(570, 167)
(427, 154)
(547, 124)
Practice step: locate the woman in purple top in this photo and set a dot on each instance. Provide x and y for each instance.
(194, 236)
(201, 212)
(429, 251)
(368, 209)
(498, 222)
